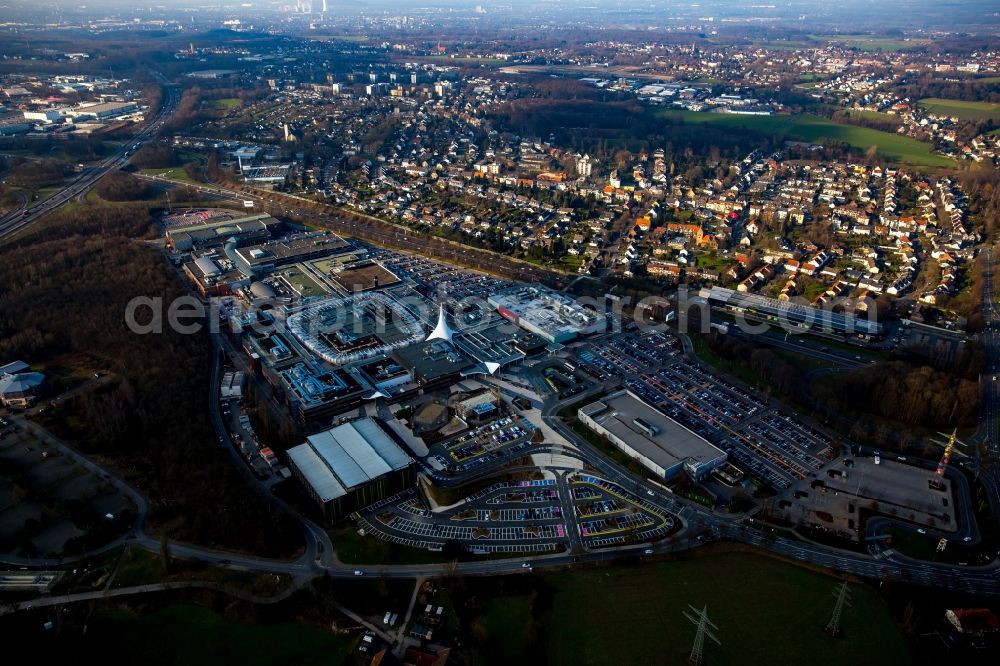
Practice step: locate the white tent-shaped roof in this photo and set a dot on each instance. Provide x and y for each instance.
(442, 331)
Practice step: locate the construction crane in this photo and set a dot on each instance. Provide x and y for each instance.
(936, 482)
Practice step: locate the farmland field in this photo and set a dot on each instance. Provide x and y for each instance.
(807, 127)
(767, 612)
(634, 615)
(874, 42)
(874, 115)
(193, 635)
(961, 109)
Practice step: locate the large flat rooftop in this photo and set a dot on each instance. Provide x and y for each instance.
(292, 249)
(551, 315)
(663, 441)
(336, 461)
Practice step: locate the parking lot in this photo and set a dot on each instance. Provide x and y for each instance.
(775, 447)
(430, 276)
(521, 516)
(50, 505)
(608, 515)
(835, 500)
(487, 443)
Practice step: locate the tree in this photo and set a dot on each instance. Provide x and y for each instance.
(165, 553)
(454, 550)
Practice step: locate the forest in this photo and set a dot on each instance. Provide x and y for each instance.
(66, 286)
(121, 186)
(37, 174)
(982, 184)
(913, 395)
(904, 391)
(603, 127)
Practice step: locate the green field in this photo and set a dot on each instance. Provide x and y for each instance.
(171, 173)
(227, 104)
(502, 626)
(874, 115)
(873, 42)
(960, 109)
(807, 127)
(192, 635)
(352, 548)
(767, 612)
(139, 567)
(468, 60)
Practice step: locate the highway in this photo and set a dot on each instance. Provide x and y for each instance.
(23, 218)
(989, 411)
(987, 431)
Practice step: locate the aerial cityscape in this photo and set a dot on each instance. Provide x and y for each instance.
(462, 333)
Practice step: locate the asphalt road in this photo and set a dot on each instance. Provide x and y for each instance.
(21, 219)
(801, 345)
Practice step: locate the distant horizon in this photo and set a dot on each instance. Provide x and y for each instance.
(976, 16)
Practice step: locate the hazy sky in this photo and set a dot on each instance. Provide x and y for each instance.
(970, 15)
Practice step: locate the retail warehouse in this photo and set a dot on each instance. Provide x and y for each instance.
(652, 438)
(351, 466)
(554, 317)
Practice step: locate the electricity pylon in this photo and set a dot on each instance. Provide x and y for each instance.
(700, 619)
(843, 598)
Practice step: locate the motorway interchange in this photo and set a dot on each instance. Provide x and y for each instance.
(89, 177)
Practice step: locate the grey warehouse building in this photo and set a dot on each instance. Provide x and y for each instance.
(654, 439)
(351, 466)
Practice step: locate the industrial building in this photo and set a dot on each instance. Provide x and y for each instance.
(216, 232)
(46, 116)
(552, 316)
(654, 439)
(351, 466)
(261, 259)
(232, 385)
(102, 111)
(272, 173)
